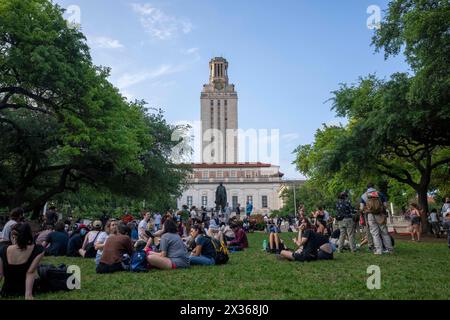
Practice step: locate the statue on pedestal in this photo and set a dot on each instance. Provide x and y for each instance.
(221, 198)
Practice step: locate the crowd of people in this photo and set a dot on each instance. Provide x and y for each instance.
(170, 241)
(320, 234)
(194, 236)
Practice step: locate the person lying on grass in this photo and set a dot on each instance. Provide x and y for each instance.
(204, 252)
(173, 252)
(114, 250)
(312, 246)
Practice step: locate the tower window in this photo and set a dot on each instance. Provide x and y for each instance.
(226, 102)
(218, 103)
(212, 103)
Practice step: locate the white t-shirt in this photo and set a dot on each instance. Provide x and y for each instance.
(142, 227)
(193, 214)
(6, 234)
(433, 217)
(101, 239)
(158, 218)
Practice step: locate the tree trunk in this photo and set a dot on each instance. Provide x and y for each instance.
(422, 194)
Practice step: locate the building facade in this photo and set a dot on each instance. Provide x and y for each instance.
(219, 116)
(258, 183)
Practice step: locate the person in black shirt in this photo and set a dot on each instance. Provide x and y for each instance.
(56, 242)
(51, 216)
(204, 252)
(18, 263)
(313, 246)
(76, 242)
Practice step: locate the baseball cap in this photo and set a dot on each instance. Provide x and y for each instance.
(97, 224)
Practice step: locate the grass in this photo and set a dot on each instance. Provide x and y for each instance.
(415, 271)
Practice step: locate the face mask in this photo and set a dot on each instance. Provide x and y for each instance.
(83, 232)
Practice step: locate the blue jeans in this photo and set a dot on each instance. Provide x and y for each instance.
(97, 258)
(201, 260)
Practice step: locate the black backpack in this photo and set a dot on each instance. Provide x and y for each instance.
(52, 278)
(90, 248)
(221, 251)
(343, 210)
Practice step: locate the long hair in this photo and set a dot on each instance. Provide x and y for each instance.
(23, 235)
(170, 226)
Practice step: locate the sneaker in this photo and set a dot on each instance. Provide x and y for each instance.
(277, 251)
(378, 253)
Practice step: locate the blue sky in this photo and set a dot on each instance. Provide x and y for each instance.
(285, 56)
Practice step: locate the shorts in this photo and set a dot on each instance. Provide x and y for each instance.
(415, 221)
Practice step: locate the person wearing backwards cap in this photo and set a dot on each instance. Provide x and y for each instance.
(91, 236)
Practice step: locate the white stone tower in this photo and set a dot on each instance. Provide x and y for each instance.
(219, 116)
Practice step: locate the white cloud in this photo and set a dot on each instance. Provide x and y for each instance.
(127, 80)
(289, 137)
(190, 51)
(159, 24)
(104, 42)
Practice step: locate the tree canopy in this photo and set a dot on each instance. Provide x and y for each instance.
(397, 128)
(63, 124)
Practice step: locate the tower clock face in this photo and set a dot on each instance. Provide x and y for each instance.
(219, 85)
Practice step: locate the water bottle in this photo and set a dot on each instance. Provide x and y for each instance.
(264, 245)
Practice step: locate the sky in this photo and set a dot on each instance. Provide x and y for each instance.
(285, 57)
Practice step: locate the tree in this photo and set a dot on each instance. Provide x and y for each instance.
(62, 124)
(397, 128)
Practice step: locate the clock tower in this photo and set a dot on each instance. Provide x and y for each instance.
(219, 116)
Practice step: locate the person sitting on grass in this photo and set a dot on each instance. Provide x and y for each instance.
(110, 228)
(173, 252)
(76, 240)
(42, 236)
(56, 242)
(18, 263)
(240, 241)
(91, 238)
(227, 234)
(204, 252)
(114, 250)
(312, 246)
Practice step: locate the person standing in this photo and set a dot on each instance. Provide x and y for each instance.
(415, 221)
(445, 207)
(346, 223)
(227, 213)
(157, 217)
(238, 211)
(374, 203)
(434, 221)
(248, 209)
(51, 216)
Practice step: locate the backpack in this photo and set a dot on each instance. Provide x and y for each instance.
(221, 251)
(90, 248)
(374, 205)
(52, 278)
(139, 262)
(343, 210)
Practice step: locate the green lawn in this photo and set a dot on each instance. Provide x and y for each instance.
(415, 271)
